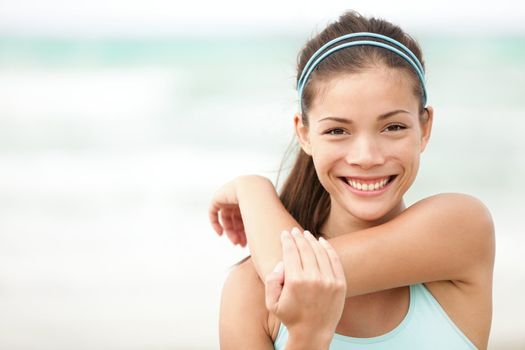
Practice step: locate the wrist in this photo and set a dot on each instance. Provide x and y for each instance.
(313, 340)
(248, 184)
(244, 180)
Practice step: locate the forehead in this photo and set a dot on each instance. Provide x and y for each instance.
(372, 91)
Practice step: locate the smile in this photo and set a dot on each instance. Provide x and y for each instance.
(368, 185)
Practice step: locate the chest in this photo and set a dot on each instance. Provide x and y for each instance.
(374, 314)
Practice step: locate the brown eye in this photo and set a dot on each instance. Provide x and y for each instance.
(336, 131)
(395, 127)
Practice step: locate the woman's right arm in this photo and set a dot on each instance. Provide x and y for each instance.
(447, 237)
(257, 221)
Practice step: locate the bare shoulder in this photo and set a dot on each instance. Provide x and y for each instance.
(468, 224)
(244, 320)
(455, 201)
(457, 204)
(467, 217)
(243, 284)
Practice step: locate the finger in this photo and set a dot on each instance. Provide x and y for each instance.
(242, 241)
(228, 226)
(291, 257)
(323, 260)
(238, 218)
(308, 259)
(226, 215)
(241, 235)
(242, 238)
(232, 236)
(334, 259)
(213, 216)
(234, 219)
(273, 287)
(239, 225)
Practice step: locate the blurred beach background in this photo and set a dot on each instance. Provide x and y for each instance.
(118, 120)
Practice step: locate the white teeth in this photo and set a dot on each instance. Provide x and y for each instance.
(367, 187)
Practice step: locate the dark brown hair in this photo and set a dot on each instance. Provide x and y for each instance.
(302, 194)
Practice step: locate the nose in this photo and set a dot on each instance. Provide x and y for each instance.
(365, 152)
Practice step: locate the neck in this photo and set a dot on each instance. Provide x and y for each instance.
(340, 221)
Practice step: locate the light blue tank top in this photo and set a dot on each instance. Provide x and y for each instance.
(425, 326)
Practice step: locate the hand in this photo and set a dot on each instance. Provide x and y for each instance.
(225, 204)
(307, 290)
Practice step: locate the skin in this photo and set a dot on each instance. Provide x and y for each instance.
(380, 137)
(445, 241)
(311, 268)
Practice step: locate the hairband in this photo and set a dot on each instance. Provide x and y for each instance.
(321, 54)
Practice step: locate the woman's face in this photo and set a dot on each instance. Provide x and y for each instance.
(365, 138)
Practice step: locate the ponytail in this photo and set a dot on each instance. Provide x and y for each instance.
(304, 197)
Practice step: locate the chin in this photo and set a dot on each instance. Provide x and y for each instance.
(372, 216)
(373, 213)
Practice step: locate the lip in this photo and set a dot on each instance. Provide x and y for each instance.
(368, 180)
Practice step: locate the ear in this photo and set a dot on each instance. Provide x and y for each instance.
(426, 127)
(302, 134)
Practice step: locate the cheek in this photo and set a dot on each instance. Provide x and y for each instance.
(325, 155)
(408, 152)
(325, 159)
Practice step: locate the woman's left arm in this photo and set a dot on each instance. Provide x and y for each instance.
(447, 237)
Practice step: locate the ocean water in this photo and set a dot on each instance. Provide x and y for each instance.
(111, 148)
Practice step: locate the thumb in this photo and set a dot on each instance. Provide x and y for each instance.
(273, 286)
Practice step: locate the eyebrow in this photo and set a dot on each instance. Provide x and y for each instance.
(379, 117)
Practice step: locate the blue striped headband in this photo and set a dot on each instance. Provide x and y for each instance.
(321, 54)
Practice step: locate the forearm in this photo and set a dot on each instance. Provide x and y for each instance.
(442, 238)
(264, 218)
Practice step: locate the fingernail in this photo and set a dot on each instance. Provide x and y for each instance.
(296, 232)
(309, 234)
(284, 234)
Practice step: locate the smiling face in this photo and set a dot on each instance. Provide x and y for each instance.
(365, 136)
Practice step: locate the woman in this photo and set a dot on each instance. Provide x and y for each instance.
(396, 277)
